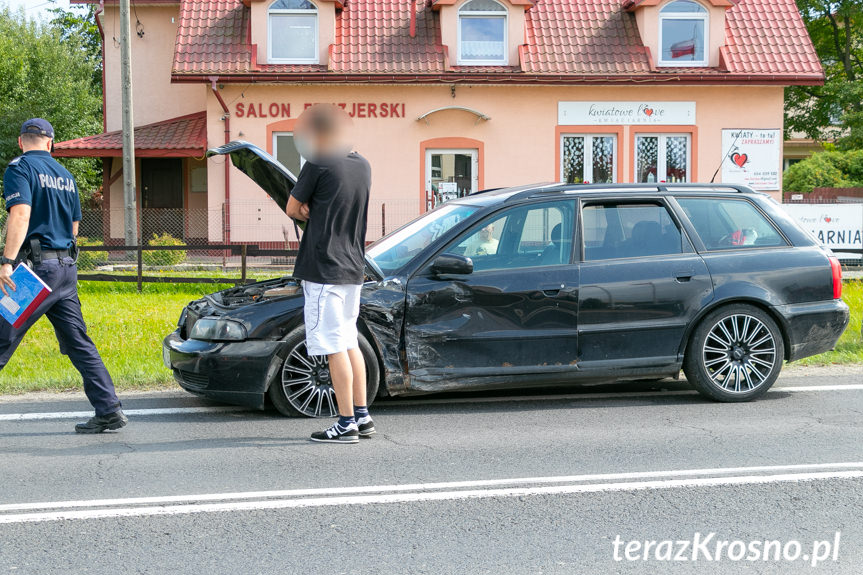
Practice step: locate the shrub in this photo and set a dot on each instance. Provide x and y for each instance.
(825, 170)
(88, 260)
(166, 258)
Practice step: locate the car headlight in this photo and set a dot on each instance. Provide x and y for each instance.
(215, 329)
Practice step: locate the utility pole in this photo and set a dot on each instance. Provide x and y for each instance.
(130, 197)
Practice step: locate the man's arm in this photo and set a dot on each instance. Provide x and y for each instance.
(297, 210)
(298, 202)
(75, 228)
(16, 233)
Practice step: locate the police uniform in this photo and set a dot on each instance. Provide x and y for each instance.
(37, 180)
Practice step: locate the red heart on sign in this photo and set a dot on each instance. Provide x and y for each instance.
(827, 219)
(740, 159)
(648, 111)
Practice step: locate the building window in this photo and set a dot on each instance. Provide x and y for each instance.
(293, 32)
(683, 34)
(286, 152)
(662, 158)
(590, 159)
(482, 34)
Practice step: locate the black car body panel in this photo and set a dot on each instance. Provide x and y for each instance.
(575, 320)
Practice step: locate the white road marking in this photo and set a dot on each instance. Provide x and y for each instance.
(411, 402)
(416, 495)
(132, 412)
(853, 465)
(839, 387)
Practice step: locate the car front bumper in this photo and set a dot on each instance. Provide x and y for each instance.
(813, 328)
(234, 372)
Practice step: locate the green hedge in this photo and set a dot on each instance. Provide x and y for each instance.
(826, 170)
(88, 260)
(163, 258)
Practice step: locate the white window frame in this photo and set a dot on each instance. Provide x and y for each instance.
(505, 16)
(662, 154)
(270, 58)
(705, 21)
(275, 148)
(588, 155)
(474, 166)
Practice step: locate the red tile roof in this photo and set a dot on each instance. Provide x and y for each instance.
(373, 36)
(605, 41)
(184, 136)
(769, 37)
(572, 41)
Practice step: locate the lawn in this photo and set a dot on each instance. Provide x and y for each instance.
(128, 328)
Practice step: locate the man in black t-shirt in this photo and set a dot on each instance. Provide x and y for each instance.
(332, 194)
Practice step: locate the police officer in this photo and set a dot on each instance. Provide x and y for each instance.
(44, 212)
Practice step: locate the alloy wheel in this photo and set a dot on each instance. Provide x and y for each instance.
(307, 383)
(739, 353)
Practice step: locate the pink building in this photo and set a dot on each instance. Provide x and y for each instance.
(448, 97)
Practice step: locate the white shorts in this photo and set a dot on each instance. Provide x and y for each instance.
(331, 313)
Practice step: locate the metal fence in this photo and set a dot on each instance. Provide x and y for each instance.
(206, 245)
(260, 223)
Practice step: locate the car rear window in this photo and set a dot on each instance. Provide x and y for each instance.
(629, 230)
(730, 223)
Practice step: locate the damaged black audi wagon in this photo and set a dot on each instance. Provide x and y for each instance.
(534, 286)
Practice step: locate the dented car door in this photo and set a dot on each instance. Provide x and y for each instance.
(514, 315)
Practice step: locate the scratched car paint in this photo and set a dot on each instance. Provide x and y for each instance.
(537, 285)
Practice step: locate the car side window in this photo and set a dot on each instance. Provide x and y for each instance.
(628, 230)
(730, 223)
(521, 237)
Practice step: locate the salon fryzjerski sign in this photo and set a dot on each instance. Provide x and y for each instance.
(626, 113)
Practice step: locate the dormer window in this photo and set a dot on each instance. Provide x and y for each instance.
(482, 29)
(292, 32)
(683, 30)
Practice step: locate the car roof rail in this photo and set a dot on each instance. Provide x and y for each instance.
(485, 191)
(560, 188)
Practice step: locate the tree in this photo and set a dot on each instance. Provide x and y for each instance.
(47, 71)
(79, 26)
(834, 110)
(825, 170)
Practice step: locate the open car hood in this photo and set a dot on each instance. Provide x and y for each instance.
(266, 171)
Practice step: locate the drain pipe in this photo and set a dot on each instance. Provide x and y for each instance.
(227, 119)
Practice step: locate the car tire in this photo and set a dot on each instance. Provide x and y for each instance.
(735, 354)
(303, 388)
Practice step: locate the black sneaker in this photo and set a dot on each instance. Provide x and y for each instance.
(100, 423)
(366, 426)
(338, 434)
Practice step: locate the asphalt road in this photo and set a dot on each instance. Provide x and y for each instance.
(550, 482)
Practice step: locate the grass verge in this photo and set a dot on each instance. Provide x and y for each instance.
(128, 328)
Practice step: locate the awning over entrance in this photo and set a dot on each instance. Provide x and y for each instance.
(185, 136)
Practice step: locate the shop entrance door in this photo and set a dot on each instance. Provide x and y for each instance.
(450, 174)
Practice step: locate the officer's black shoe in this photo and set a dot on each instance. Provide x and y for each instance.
(100, 423)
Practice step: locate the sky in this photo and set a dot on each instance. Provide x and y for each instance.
(36, 9)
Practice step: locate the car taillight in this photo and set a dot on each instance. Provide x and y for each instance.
(836, 268)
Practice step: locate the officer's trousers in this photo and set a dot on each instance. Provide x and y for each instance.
(63, 309)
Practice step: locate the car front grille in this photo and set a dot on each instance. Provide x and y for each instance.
(191, 379)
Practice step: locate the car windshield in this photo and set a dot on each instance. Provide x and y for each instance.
(392, 252)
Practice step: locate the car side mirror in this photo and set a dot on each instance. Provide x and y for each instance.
(452, 264)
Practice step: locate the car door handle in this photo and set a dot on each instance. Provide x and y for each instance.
(552, 290)
(683, 276)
